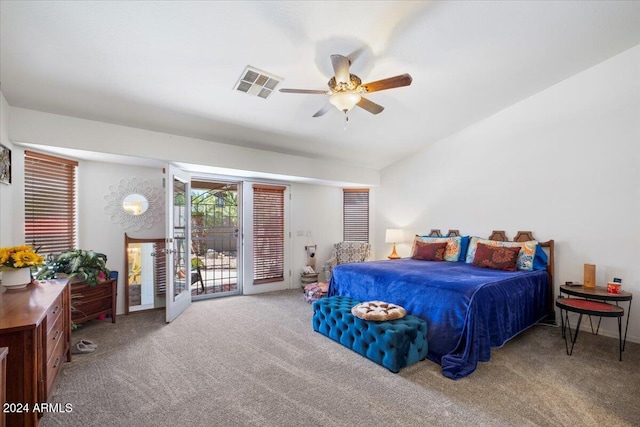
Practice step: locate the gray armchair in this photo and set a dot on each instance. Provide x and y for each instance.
(345, 252)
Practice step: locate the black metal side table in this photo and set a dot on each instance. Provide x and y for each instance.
(599, 293)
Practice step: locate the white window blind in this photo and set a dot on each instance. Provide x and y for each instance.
(268, 233)
(355, 214)
(50, 202)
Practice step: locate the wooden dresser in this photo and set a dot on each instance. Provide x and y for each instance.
(35, 325)
(3, 384)
(93, 301)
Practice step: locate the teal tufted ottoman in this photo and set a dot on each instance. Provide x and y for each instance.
(393, 344)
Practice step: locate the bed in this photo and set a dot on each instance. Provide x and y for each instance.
(468, 309)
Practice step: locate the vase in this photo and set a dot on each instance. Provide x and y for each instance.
(16, 278)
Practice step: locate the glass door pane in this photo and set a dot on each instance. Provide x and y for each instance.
(217, 238)
(178, 242)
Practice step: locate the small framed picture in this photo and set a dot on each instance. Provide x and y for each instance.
(5, 165)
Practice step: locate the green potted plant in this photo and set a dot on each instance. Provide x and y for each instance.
(78, 265)
(93, 295)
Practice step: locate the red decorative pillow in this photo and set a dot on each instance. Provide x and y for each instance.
(429, 251)
(496, 257)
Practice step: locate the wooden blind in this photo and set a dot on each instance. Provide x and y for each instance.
(268, 233)
(50, 202)
(160, 269)
(355, 215)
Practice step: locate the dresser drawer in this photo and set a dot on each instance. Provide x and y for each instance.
(91, 302)
(83, 292)
(54, 363)
(54, 334)
(54, 312)
(87, 307)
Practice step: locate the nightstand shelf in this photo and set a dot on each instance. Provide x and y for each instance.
(605, 304)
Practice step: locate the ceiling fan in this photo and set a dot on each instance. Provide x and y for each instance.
(346, 90)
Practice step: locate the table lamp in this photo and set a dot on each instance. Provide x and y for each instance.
(393, 235)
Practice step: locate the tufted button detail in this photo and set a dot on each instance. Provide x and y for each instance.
(393, 344)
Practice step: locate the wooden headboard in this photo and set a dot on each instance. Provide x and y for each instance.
(525, 236)
(436, 233)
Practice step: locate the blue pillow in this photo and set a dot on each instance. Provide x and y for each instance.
(540, 259)
(464, 245)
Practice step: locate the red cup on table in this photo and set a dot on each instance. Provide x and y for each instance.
(613, 287)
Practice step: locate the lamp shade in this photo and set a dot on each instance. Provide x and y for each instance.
(345, 101)
(393, 235)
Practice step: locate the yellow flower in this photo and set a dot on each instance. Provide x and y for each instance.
(5, 253)
(22, 259)
(22, 256)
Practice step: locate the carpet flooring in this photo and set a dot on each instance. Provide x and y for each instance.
(255, 361)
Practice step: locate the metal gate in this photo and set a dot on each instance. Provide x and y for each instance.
(216, 238)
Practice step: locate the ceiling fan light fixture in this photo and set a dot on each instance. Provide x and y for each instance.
(345, 101)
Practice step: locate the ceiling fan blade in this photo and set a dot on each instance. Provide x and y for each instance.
(355, 55)
(321, 92)
(371, 107)
(324, 110)
(341, 68)
(390, 83)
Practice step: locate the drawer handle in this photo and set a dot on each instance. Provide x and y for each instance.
(55, 336)
(55, 310)
(55, 365)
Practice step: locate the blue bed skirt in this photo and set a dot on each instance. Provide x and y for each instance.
(468, 309)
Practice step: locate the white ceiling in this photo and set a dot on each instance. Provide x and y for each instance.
(171, 66)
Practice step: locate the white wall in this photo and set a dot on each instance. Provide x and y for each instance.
(35, 127)
(563, 163)
(96, 231)
(315, 219)
(314, 209)
(316, 214)
(309, 214)
(6, 191)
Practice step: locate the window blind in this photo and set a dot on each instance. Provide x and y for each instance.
(268, 233)
(160, 269)
(50, 203)
(355, 215)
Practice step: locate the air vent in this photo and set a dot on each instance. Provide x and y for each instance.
(257, 82)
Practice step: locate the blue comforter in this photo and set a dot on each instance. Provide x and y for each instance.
(468, 309)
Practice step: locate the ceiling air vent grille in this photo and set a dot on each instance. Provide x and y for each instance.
(257, 82)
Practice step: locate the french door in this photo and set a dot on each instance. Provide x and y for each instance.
(216, 236)
(178, 247)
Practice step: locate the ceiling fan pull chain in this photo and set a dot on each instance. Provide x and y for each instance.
(346, 119)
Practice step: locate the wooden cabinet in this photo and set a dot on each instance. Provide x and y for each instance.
(35, 325)
(91, 302)
(3, 383)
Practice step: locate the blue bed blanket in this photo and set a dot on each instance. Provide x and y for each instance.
(468, 309)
